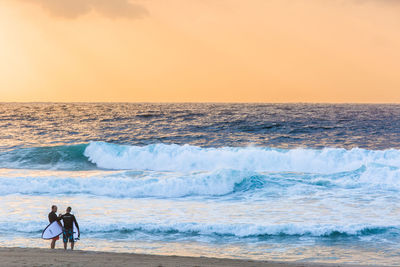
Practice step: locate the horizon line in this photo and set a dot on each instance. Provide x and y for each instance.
(194, 102)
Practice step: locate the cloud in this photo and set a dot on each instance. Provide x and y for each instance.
(109, 8)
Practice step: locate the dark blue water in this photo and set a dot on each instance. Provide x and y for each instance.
(206, 125)
(305, 182)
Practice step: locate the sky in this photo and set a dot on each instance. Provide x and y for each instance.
(335, 51)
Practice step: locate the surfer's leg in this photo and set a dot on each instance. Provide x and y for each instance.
(53, 242)
(65, 238)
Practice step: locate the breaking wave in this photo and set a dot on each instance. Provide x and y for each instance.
(204, 229)
(162, 157)
(127, 186)
(184, 158)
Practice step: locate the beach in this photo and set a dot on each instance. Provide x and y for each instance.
(59, 257)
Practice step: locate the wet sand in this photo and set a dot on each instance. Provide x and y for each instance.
(59, 257)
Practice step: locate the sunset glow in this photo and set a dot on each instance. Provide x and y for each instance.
(200, 50)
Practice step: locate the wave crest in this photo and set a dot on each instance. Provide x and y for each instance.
(52, 157)
(162, 157)
(125, 185)
(204, 229)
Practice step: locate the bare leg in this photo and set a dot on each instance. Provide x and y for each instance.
(53, 244)
(65, 245)
(72, 245)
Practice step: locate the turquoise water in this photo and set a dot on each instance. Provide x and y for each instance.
(276, 182)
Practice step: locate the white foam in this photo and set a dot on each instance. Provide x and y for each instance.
(151, 185)
(127, 184)
(162, 157)
(238, 230)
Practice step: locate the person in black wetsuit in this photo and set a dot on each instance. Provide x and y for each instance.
(52, 218)
(68, 229)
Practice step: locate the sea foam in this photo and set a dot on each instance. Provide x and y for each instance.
(162, 157)
(151, 184)
(191, 229)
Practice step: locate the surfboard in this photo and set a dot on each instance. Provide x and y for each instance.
(76, 232)
(52, 230)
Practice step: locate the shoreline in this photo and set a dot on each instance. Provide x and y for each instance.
(14, 256)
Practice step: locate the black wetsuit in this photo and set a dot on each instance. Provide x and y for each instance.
(68, 220)
(52, 217)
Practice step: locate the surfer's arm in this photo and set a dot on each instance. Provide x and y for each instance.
(52, 217)
(59, 220)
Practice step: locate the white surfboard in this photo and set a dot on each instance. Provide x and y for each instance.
(76, 233)
(52, 230)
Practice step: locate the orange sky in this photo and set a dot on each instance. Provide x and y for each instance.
(200, 50)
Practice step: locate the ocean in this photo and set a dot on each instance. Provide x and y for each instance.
(290, 182)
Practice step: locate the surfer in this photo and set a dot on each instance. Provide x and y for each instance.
(68, 229)
(52, 218)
